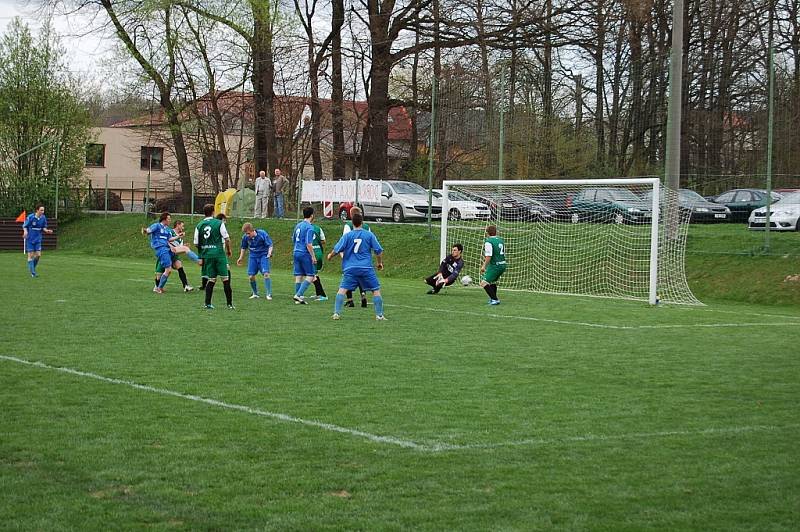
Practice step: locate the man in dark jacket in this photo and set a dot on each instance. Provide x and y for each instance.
(448, 270)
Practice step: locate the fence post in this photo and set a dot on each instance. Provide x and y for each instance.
(58, 156)
(131, 196)
(431, 155)
(106, 194)
(770, 113)
(192, 201)
(299, 194)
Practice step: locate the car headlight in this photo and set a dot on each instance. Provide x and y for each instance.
(634, 209)
(701, 209)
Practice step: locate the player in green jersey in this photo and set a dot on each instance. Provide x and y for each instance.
(494, 263)
(317, 241)
(213, 242)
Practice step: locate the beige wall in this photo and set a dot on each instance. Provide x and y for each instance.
(123, 163)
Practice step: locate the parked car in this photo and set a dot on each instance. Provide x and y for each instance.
(699, 208)
(784, 215)
(507, 205)
(742, 201)
(401, 200)
(343, 212)
(461, 207)
(559, 202)
(610, 204)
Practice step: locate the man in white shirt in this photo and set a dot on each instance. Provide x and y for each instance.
(262, 195)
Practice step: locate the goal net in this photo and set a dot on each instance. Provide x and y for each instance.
(618, 238)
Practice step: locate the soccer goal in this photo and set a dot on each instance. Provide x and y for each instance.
(617, 238)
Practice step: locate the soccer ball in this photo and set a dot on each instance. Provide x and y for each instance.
(466, 280)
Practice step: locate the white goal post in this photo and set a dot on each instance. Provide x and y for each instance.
(589, 237)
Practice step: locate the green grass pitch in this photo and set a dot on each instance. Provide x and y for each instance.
(125, 409)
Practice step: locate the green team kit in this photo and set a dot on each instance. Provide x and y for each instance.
(497, 262)
(211, 247)
(316, 244)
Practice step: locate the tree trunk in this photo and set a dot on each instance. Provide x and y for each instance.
(377, 157)
(264, 137)
(337, 92)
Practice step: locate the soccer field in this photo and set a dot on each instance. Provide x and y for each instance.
(125, 409)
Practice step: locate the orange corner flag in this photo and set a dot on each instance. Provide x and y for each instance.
(21, 217)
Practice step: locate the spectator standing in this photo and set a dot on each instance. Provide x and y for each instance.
(279, 185)
(262, 195)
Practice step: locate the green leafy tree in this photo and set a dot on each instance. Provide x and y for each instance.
(44, 125)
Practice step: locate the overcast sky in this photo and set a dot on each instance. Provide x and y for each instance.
(84, 52)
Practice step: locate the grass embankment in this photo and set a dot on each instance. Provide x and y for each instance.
(724, 262)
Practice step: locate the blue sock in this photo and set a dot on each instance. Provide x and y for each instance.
(163, 281)
(254, 287)
(303, 287)
(378, 302)
(296, 288)
(31, 266)
(268, 285)
(337, 306)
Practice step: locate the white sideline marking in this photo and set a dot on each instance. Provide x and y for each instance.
(613, 437)
(408, 444)
(589, 324)
(213, 402)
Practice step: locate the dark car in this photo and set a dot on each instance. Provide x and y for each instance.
(507, 205)
(742, 201)
(610, 204)
(699, 209)
(559, 202)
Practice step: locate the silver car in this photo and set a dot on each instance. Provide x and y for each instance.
(401, 200)
(784, 215)
(463, 207)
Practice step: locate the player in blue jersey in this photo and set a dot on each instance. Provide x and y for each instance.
(160, 234)
(33, 227)
(356, 248)
(259, 244)
(305, 270)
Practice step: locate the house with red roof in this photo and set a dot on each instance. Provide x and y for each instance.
(138, 152)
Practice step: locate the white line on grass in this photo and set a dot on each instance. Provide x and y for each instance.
(213, 402)
(615, 437)
(589, 324)
(390, 440)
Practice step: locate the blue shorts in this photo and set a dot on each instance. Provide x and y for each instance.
(304, 265)
(31, 246)
(363, 277)
(165, 257)
(257, 265)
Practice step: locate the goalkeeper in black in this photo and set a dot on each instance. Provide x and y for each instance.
(448, 270)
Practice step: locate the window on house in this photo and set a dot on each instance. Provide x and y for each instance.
(212, 162)
(152, 158)
(96, 155)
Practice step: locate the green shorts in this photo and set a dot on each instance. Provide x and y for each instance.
(493, 273)
(215, 267)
